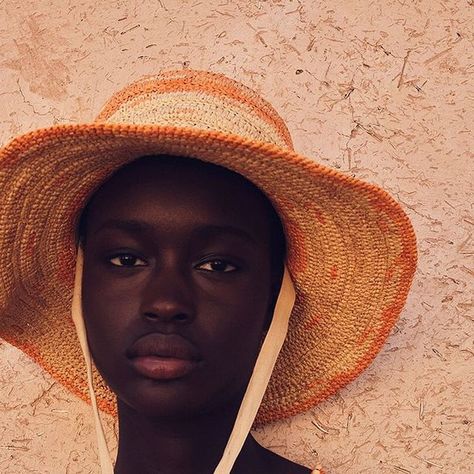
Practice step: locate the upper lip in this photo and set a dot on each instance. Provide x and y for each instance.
(163, 345)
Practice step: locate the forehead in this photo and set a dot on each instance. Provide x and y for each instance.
(165, 191)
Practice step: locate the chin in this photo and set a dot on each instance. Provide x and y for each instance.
(178, 400)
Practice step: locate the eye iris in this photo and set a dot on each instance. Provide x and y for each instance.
(219, 265)
(127, 260)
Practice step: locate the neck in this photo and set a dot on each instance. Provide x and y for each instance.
(185, 446)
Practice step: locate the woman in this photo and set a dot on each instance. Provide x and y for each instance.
(180, 280)
(185, 293)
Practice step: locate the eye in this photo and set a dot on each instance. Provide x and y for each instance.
(126, 260)
(217, 265)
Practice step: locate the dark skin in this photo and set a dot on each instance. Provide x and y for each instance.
(178, 247)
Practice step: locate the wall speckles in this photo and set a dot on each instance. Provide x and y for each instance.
(382, 91)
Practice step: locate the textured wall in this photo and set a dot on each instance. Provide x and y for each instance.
(381, 90)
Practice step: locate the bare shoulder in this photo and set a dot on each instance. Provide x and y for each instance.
(280, 465)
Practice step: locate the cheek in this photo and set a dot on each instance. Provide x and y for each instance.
(108, 310)
(235, 330)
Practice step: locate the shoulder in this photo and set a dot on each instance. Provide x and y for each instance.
(280, 465)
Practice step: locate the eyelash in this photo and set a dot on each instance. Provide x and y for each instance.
(122, 255)
(220, 260)
(204, 262)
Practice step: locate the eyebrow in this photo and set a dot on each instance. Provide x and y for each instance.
(129, 225)
(136, 227)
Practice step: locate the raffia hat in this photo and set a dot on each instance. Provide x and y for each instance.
(352, 249)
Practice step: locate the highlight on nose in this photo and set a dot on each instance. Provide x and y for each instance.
(167, 302)
(167, 297)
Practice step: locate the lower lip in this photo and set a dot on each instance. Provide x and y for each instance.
(163, 368)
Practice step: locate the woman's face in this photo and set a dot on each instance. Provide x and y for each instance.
(177, 286)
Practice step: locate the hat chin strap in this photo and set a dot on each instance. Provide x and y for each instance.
(262, 371)
(106, 466)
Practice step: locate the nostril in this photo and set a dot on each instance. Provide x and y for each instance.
(178, 317)
(151, 315)
(181, 317)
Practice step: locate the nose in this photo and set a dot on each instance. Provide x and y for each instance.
(168, 298)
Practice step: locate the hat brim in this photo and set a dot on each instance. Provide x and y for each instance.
(352, 251)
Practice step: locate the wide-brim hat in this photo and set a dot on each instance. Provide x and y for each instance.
(351, 247)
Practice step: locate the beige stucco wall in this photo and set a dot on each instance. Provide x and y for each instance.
(381, 90)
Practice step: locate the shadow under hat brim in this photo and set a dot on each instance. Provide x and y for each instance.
(351, 251)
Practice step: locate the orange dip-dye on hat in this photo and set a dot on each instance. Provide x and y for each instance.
(352, 249)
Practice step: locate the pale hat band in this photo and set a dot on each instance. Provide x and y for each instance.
(213, 104)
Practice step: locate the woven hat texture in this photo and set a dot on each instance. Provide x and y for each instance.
(352, 249)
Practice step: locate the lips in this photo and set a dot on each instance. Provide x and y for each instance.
(163, 356)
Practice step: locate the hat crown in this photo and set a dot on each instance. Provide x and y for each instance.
(198, 100)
